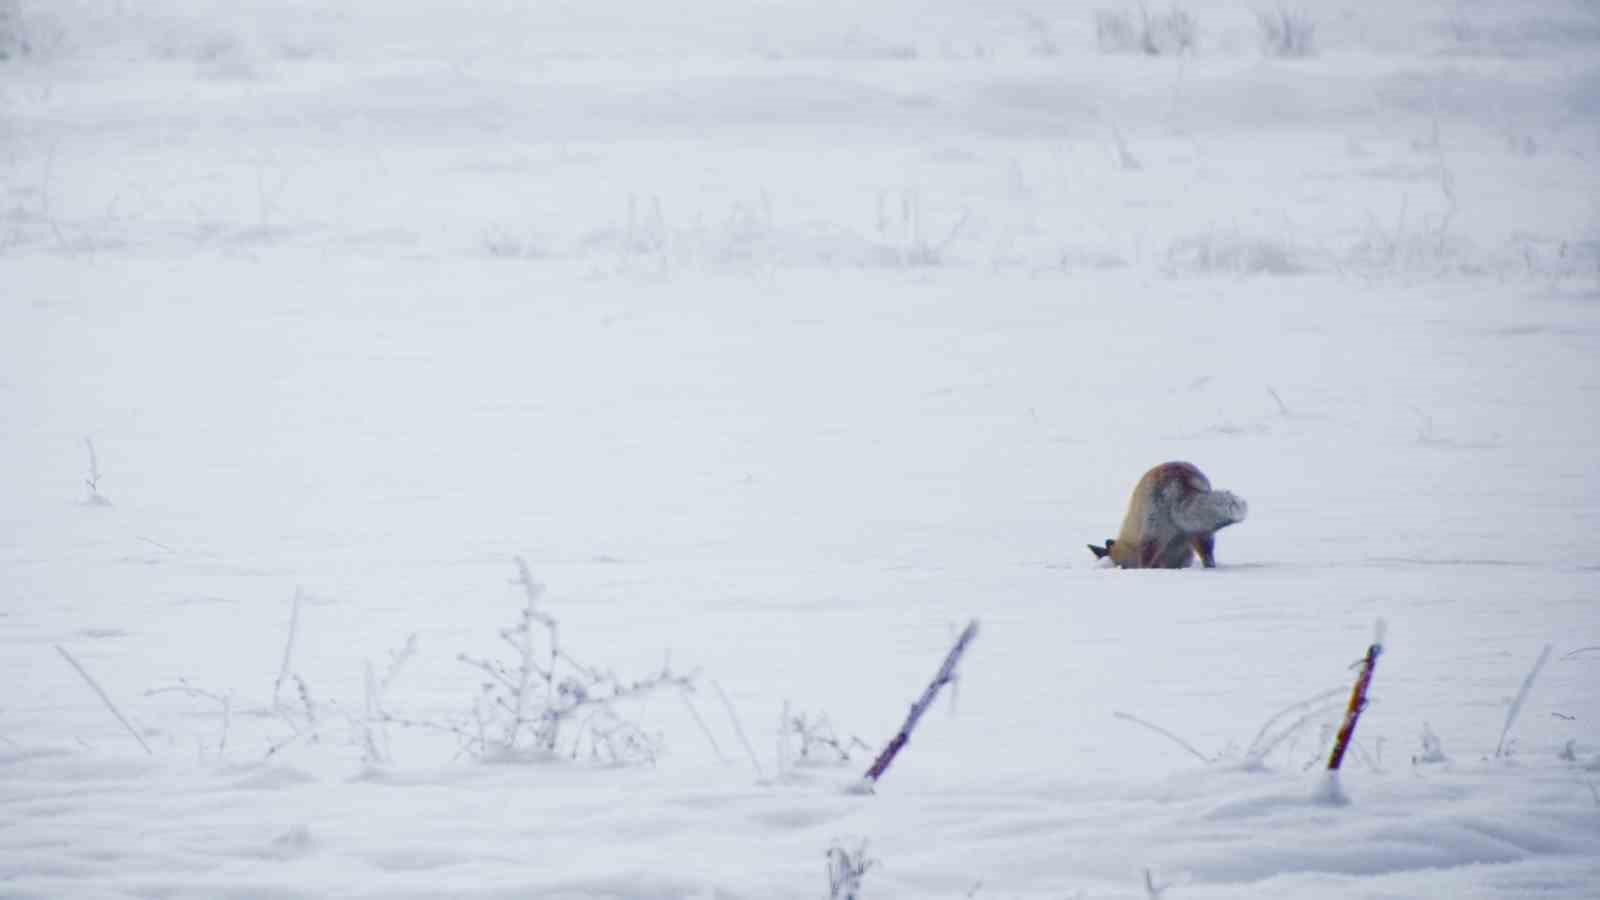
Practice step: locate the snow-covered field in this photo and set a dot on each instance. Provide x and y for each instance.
(781, 339)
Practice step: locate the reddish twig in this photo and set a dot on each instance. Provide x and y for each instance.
(945, 675)
(1358, 702)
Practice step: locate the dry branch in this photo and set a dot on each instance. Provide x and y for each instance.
(104, 698)
(738, 728)
(93, 481)
(1130, 717)
(945, 675)
(1358, 701)
(288, 650)
(1309, 709)
(529, 701)
(1522, 696)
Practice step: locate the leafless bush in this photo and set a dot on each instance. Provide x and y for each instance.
(1432, 749)
(818, 741)
(509, 243)
(1137, 31)
(303, 719)
(903, 233)
(1287, 33)
(521, 710)
(16, 39)
(374, 717)
(1215, 253)
(846, 870)
(1041, 42)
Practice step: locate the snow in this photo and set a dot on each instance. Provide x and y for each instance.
(781, 340)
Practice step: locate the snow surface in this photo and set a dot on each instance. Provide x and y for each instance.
(782, 339)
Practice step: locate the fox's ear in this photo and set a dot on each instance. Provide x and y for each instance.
(1100, 552)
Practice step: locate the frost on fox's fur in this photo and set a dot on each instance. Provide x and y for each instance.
(1173, 515)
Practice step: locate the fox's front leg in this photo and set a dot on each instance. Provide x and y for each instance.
(1206, 546)
(1149, 554)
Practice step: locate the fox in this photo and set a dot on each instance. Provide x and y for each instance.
(1173, 515)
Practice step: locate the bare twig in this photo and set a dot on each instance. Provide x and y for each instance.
(185, 688)
(694, 713)
(1522, 696)
(1358, 700)
(44, 202)
(1130, 717)
(1283, 409)
(227, 722)
(104, 698)
(817, 732)
(288, 649)
(397, 662)
(93, 481)
(310, 732)
(783, 741)
(1262, 745)
(469, 742)
(224, 701)
(846, 869)
(944, 676)
(738, 728)
(1125, 157)
(374, 742)
(1313, 707)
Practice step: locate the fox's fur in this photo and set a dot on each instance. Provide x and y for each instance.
(1173, 515)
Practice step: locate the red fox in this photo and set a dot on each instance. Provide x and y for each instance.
(1173, 515)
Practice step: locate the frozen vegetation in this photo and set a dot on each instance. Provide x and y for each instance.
(497, 449)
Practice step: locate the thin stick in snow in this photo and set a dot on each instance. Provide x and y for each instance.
(375, 743)
(522, 641)
(694, 712)
(1522, 695)
(227, 722)
(93, 481)
(225, 701)
(1358, 700)
(1260, 746)
(1263, 745)
(288, 649)
(945, 675)
(1130, 717)
(783, 741)
(738, 729)
(103, 697)
(1283, 409)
